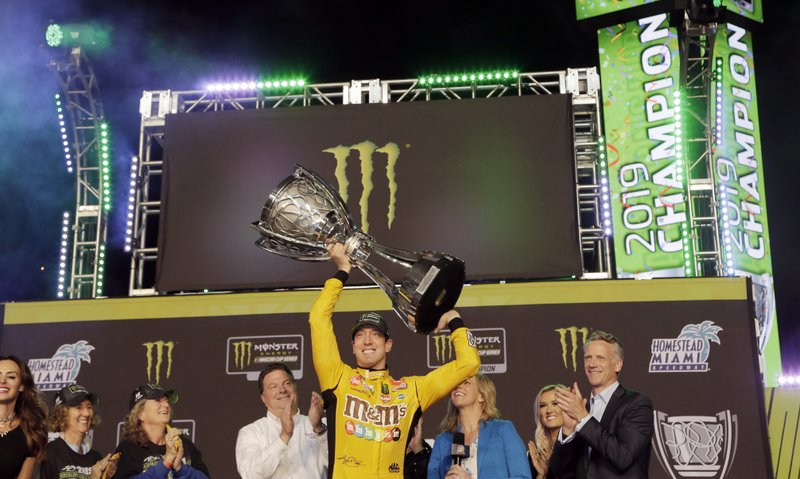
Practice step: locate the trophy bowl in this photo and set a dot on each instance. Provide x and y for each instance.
(304, 214)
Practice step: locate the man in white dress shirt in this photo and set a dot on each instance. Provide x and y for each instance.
(284, 443)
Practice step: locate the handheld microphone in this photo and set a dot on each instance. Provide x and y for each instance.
(458, 451)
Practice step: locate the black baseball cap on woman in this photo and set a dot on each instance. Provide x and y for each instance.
(74, 395)
(152, 391)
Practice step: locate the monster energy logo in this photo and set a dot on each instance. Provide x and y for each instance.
(443, 347)
(242, 350)
(574, 344)
(366, 150)
(158, 347)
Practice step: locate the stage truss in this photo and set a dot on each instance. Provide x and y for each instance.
(84, 120)
(582, 84)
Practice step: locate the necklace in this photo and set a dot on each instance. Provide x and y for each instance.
(5, 422)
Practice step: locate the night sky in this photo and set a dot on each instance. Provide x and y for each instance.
(174, 45)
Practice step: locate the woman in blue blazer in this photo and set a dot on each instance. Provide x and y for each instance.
(495, 449)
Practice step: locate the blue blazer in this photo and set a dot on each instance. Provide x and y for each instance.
(501, 453)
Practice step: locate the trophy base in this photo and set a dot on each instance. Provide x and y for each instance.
(432, 287)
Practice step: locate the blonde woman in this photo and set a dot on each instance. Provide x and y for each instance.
(548, 418)
(495, 448)
(71, 455)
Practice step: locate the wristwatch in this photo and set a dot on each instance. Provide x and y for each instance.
(323, 429)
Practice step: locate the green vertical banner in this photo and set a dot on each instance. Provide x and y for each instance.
(739, 177)
(751, 9)
(640, 67)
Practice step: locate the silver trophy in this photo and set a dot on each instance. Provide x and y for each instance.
(305, 213)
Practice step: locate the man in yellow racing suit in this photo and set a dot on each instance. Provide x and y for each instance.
(370, 414)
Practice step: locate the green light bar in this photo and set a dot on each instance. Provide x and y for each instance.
(490, 77)
(105, 163)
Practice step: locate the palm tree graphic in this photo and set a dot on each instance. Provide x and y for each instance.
(78, 351)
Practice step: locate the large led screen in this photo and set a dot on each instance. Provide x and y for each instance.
(490, 181)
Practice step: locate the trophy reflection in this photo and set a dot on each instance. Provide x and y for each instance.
(305, 213)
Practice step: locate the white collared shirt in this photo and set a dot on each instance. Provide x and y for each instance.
(260, 453)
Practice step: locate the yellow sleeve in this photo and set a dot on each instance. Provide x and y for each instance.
(438, 383)
(324, 350)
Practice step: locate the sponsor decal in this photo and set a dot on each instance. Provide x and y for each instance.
(185, 426)
(399, 384)
(688, 352)
(355, 381)
(375, 414)
(366, 153)
(60, 370)
(161, 351)
(490, 342)
(394, 468)
(384, 388)
(696, 446)
(350, 428)
(571, 339)
(401, 396)
(386, 398)
(247, 355)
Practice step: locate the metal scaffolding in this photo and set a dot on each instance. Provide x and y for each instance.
(697, 74)
(582, 84)
(83, 118)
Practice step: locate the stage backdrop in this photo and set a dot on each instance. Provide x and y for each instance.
(689, 345)
(488, 180)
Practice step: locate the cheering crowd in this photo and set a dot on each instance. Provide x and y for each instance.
(364, 424)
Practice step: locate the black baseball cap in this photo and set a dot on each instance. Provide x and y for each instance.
(371, 320)
(74, 395)
(152, 391)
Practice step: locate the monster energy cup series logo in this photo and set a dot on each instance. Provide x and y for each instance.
(572, 339)
(366, 151)
(490, 343)
(157, 352)
(249, 354)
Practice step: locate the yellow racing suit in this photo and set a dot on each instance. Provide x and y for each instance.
(370, 414)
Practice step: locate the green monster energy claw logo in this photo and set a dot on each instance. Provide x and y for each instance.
(365, 150)
(158, 347)
(572, 333)
(242, 353)
(443, 347)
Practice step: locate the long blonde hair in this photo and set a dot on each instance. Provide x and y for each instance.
(488, 406)
(541, 435)
(132, 429)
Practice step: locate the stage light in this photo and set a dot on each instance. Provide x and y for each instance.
(255, 85)
(468, 78)
(62, 266)
(105, 184)
(131, 202)
(89, 36)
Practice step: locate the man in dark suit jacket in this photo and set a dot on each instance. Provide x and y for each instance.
(613, 440)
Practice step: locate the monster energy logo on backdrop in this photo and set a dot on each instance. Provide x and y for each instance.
(242, 353)
(159, 348)
(366, 150)
(571, 344)
(248, 355)
(443, 348)
(490, 343)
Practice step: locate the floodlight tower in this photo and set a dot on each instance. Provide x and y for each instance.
(86, 141)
